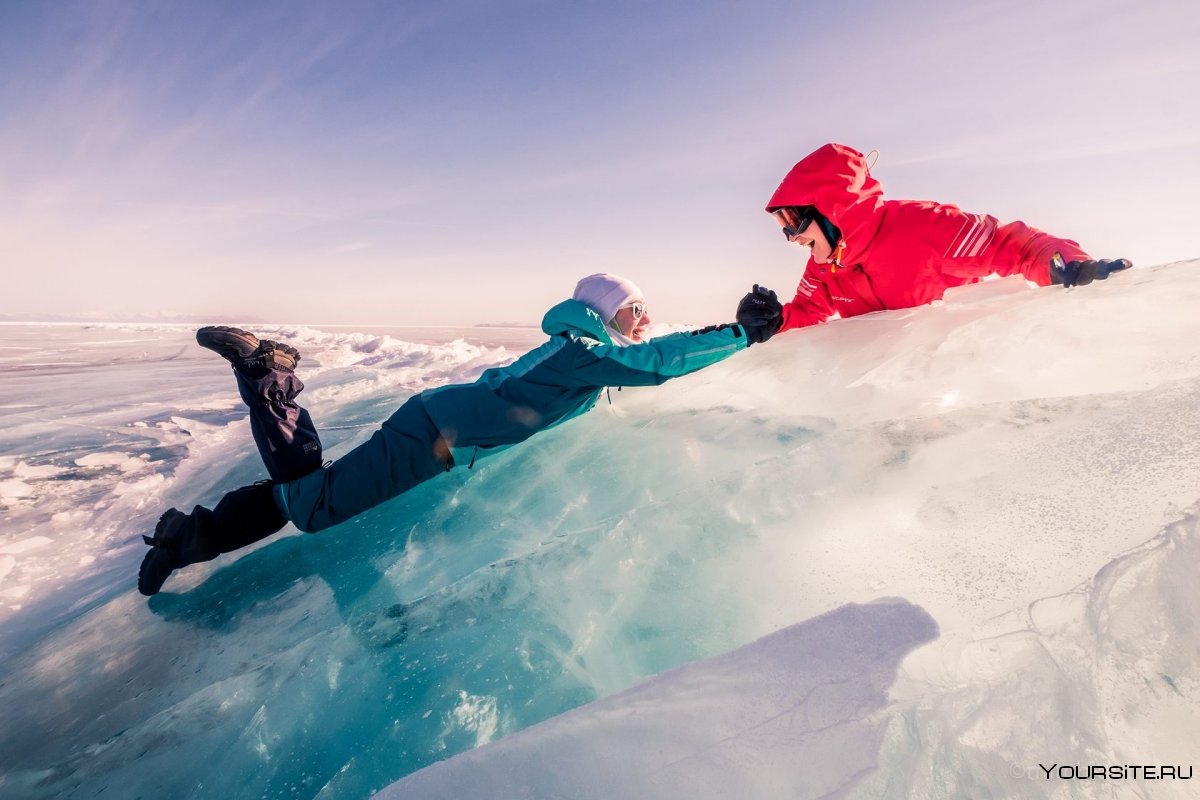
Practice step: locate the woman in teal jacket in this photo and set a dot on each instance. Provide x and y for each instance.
(595, 341)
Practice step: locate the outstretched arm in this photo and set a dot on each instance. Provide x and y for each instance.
(974, 245)
(658, 360)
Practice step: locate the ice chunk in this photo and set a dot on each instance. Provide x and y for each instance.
(21, 546)
(15, 490)
(123, 461)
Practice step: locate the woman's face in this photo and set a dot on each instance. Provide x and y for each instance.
(815, 241)
(810, 236)
(800, 227)
(632, 320)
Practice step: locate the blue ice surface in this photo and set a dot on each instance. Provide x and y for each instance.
(342, 661)
(981, 459)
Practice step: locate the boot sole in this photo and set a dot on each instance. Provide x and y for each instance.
(232, 344)
(241, 348)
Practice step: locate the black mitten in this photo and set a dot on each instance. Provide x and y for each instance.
(760, 313)
(1081, 273)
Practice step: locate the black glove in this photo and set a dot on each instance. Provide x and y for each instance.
(760, 313)
(1081, 273)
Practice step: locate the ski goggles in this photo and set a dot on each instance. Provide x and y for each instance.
(794, 219)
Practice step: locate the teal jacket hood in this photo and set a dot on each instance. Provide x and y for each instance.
(572, 316)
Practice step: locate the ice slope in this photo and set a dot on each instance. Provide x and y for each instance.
(1017, 464)
(787, 716)
(1103, 676)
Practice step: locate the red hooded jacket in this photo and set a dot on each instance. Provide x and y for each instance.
(899, 253)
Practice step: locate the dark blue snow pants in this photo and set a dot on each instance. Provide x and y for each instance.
(400, 455)
(283, 431)
(290, 448)
(404, 452)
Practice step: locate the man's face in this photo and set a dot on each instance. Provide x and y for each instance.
(632, 320)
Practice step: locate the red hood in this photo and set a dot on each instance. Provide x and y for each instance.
(835, 179)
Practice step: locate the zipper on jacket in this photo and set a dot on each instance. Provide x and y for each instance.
(836, 261)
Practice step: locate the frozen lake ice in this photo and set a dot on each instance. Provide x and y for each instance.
(1018, 467)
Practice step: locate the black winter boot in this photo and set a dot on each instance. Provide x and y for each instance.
(246, 351)
(241, 518)
(177, 542)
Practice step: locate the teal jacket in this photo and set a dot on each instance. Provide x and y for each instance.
(563, 379)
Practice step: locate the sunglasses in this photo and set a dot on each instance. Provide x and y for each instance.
(638, 309)
(795, 219)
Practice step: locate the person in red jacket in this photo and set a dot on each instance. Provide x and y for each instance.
(870, 254)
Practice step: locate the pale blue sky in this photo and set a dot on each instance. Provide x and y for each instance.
(462, 162)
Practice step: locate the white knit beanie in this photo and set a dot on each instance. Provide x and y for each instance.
(606, 294)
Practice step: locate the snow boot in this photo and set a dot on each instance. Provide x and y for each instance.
(242, 517)
(246, 351)
(176, 543)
